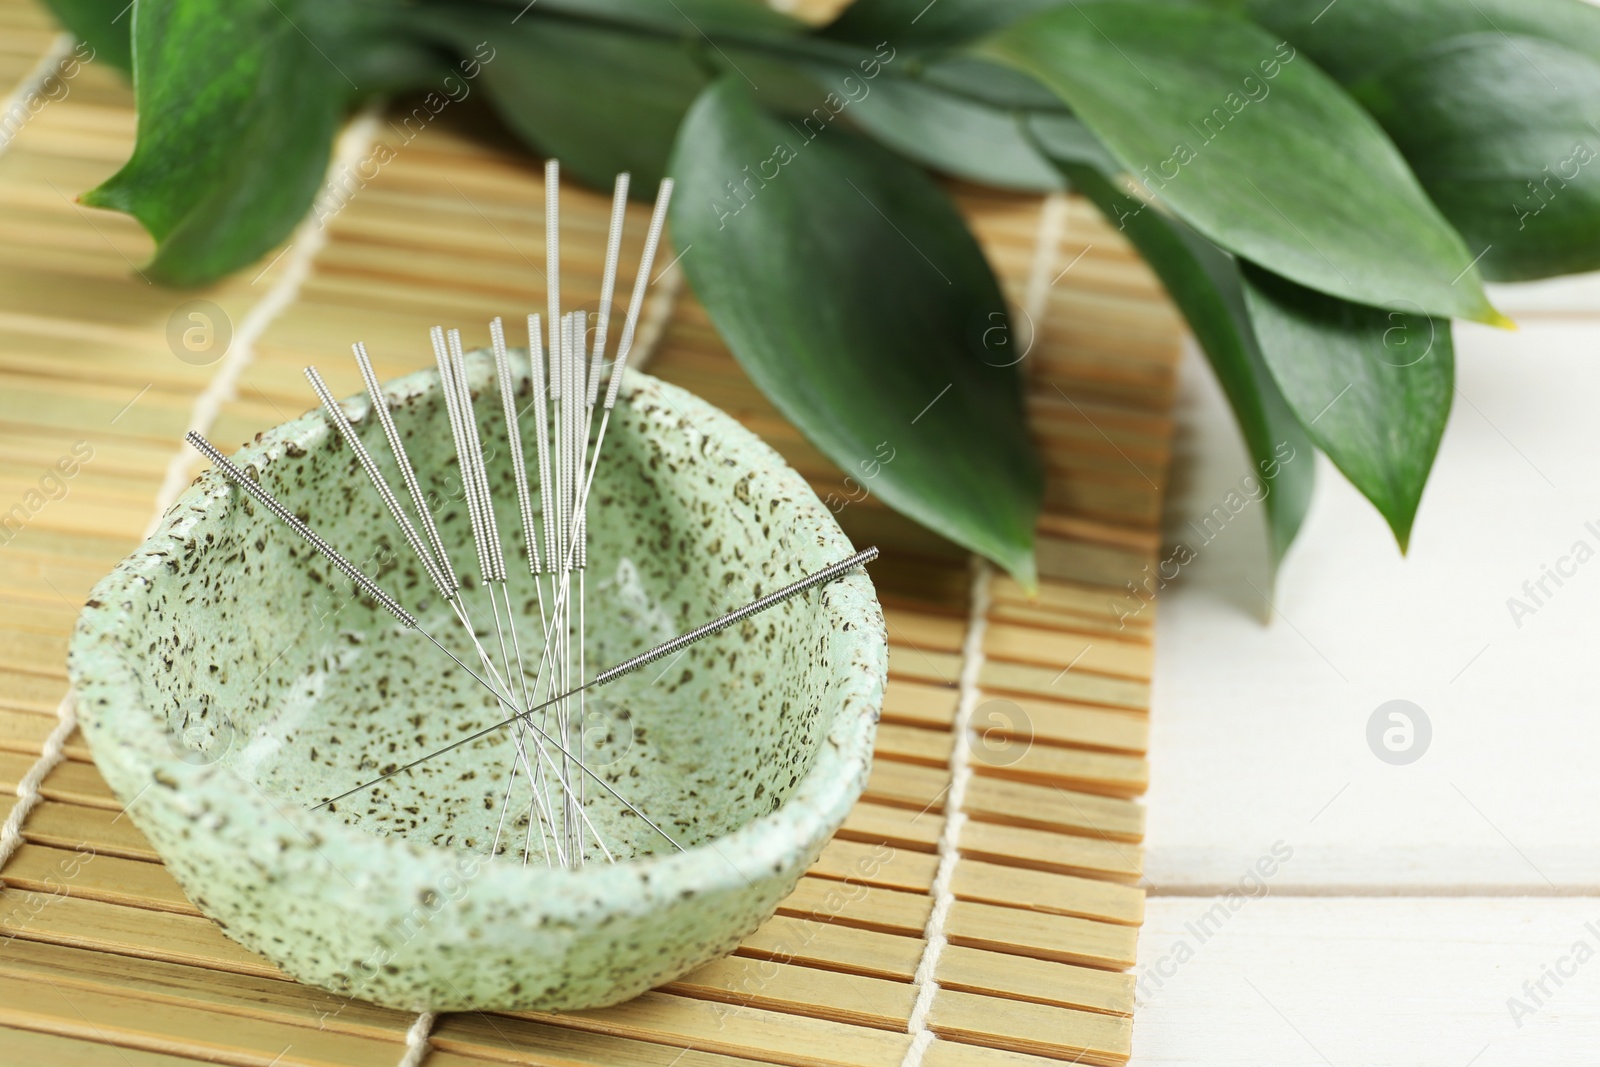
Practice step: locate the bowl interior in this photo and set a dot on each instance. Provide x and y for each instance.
(274, 667)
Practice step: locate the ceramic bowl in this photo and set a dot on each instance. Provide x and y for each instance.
(227, 682)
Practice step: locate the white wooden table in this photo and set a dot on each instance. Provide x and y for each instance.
(1417, 899)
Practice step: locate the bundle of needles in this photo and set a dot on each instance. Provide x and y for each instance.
(541, 701)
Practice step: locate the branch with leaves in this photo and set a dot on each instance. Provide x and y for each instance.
(1320, 208)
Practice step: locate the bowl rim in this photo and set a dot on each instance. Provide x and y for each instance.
(131, 738)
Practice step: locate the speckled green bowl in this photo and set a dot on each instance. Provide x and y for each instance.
(225, 683)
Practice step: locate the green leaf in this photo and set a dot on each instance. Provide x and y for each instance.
(1373, 388)
(851, 292)
(987, 82)
(236, 118)
(681, 17)
(1482, 98)
(600, 101)
(1501, 130)
(918, 22)
(1252, 146)
(1205, 283)
(1064, 139)
(104, 24)
(1341, 38)
(939, 129)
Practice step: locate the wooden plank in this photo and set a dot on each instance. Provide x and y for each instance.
(89, 1012)
(1056, 649)
(943, 633)
(41, 654)
(790, 989)
(37, 1047)
(833, 947)
(1017, 1026)
(913, 744)
(24, 691)
(1065, 683)
(875, 864)
(1117, 617)
(67, 826)
(853, 904)
(739, 1031)
(1031, 760)
(1083, 725)
(153, 935)
(463, 1038)
(1058, 894)
(1047, 850)
(1077, 850)
(1022, 978)
(1054, 808)
(233, 994)
(72, 782)
(906, 785)
(1061, 938)
(82, 873)
(928, 666)
(896, 826)
(918, 704)
(25, 732)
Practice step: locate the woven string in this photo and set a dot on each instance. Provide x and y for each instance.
(934, 939)
(307, 242)
(1041, 276)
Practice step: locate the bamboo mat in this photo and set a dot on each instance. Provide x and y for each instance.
(1029, 888)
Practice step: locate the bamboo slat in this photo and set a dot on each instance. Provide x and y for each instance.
(110, 963)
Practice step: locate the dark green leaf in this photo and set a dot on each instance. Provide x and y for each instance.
(600, 101)
(1259, 151)
(104, 24)
(850, 290)
(681, 17)
(907, 23)
(1372, 387)
(1483, 98)
(1204, 282)
(1354, 39)
(987, 82)
(1066, 140)
(945, 131)
(1501, 130)
(236, 118)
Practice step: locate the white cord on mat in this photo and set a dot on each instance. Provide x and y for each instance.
(55, 744)
(28, 789)
(18, 102)
(1042, 271)
(308, 240)
(417, 1040)
(955, 819)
